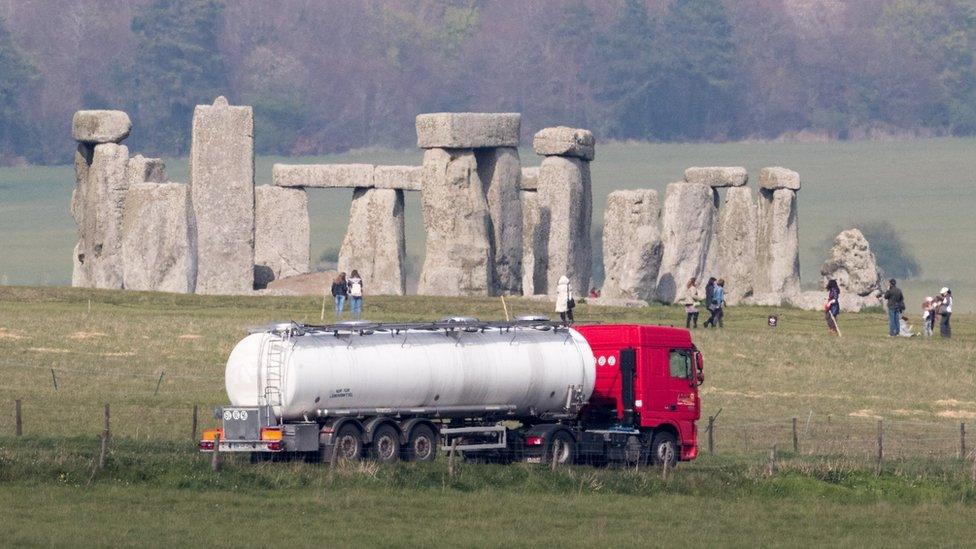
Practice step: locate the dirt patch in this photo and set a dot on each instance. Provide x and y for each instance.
(85, 335)
(957, 414)
(865, 413)
(4, 334)
(190, 336)
(911, 412)
(954, 402)
(49, 350)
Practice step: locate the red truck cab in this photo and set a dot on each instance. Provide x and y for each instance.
(663, 395)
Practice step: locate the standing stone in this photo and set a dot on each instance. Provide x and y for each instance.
(157, 248)
(852, 264)
(566, 199)
(142, 170)
(458, 245)
(222, 193)
(777, 248)
(735, 249)
(530, 179)
(100, 126)
(631, 245)
(688, 226)
(535, 239)
(98, 204)
(281, 233)
(500, 171)
(374, 243)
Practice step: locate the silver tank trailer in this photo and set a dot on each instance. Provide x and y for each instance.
(328, 373)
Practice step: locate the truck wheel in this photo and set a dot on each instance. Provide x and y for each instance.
(422, 444)
(386, 444)
(350, 443)
(562, 448)
(664, 447)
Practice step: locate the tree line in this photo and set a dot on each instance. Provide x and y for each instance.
(332, 75)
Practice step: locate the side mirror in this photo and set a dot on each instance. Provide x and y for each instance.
(700, 364)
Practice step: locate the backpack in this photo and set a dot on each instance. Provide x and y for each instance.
(356, 287)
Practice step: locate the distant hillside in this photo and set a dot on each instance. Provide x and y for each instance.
(333, 75)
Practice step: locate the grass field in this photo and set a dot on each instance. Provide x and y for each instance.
(111, 347)
(925, 188)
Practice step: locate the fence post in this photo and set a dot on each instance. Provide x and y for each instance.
(54, 379)
(711, 434)
(159, 382)
(962, 440)
(215, 457)
(880, 446)
(796, 439)
(106, 433)
(193, 429)
(450, 459)
(18, 423)
(771, 462)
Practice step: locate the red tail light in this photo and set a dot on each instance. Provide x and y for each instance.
(206, 446)
(274, 446)
(533, 441)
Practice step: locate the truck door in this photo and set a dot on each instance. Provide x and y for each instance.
(682, 398)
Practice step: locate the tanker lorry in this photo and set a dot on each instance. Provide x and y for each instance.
(525, 390)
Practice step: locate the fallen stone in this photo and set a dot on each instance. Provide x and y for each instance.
(631, 245)
(735, 250)
(281, 233)
(468, 130)
(323, 175)
(777, 244)
(407, 178)
(616, 302)
(688, 222)
(458, 257)
(98, 205)
(849, 303)
(564, 141)
(565, 198)
(779, 178)
(374, 243)
(530, 179)
(317, 284)
(222, 194)
(100, 126)
(157, 248)
(718, 176)
(145, 170)
(535, 238)
(852, 264)
(499, 170)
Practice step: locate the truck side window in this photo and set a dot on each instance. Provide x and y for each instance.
(679, 363)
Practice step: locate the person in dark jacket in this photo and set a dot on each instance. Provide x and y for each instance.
(710, 302)
(895, 301)
(340, 289)
(832, 306)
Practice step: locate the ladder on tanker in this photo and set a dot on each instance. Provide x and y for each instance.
(274, 357)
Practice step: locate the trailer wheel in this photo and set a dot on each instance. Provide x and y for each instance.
(422, 444)
(349, 442)
(386, 444)
(562, 448)
(664, 446)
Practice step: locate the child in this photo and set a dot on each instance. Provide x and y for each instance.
(904, 329)
(928, 316)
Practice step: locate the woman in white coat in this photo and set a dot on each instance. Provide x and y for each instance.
(564, 299)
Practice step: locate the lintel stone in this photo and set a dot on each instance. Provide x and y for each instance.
(468, 130)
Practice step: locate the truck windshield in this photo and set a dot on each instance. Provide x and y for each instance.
(680, 364)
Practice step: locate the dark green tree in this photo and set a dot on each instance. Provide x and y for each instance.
(17, 74)
(177, 66)
(697, 54)
(631, 73)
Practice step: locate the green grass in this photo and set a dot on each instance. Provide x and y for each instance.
(923, 187)
(157, 490)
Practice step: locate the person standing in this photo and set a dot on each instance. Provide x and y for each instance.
(710, 302)
(945, 310)
(928, 316)
(895, 301)
(832, 306)
(718, 296)
(339, 291)
(564, 299)
(690, 300)
(355, 294)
